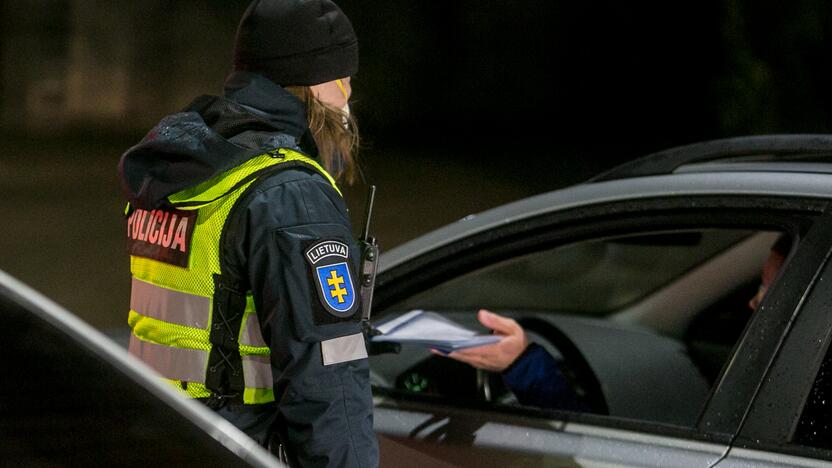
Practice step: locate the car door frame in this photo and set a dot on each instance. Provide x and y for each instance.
(767, 431)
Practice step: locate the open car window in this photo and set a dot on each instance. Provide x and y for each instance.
(592, 278)
(655, 316)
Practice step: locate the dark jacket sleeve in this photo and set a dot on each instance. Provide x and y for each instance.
(536, 380)
(324, 411)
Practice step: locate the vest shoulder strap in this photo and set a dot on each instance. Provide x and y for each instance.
(229, 181)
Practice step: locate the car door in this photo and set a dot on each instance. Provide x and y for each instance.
(459, 425)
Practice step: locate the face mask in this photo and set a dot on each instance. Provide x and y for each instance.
(345, 119)
(346, 109)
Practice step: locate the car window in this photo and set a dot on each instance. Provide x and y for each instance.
(593, 278)
(655, 316)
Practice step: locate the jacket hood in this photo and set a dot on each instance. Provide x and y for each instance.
(212, 135)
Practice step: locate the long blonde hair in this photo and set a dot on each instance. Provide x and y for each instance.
(335, 133)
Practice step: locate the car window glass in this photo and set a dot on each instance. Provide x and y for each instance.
(655, 316)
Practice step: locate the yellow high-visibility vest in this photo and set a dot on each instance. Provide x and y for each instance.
(180, 304)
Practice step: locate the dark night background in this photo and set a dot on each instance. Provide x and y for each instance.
(463, 105)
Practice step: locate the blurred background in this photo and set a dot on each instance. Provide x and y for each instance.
(463, 105)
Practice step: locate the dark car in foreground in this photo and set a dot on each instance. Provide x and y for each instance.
(638, 283)
(72, 397)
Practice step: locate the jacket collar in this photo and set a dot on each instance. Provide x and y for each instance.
(267, 100)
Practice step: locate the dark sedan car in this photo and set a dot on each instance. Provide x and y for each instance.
(638, 283)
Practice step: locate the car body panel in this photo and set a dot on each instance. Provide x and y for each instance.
(80, 399)
(475, 439)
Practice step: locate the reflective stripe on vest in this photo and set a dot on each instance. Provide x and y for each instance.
(189, 365)
(171, 306)
(188, 310)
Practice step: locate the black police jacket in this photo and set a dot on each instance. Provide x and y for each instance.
(323, 412)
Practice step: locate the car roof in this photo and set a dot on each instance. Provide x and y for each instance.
(778, 165)
(73, 396)
(773, 149)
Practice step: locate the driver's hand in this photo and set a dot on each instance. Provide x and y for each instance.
(498, 356)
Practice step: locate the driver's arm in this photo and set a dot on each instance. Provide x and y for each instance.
(528, 369)
(536, 380)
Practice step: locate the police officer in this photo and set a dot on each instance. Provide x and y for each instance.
(243, 264)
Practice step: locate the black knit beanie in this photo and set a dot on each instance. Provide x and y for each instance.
(296, 42)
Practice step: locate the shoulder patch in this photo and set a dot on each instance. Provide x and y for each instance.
(329, 260)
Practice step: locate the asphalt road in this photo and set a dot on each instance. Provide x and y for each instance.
(62, 230)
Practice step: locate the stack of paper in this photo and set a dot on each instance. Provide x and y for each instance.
(431, 330)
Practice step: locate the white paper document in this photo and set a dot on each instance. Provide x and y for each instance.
(429, 329)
